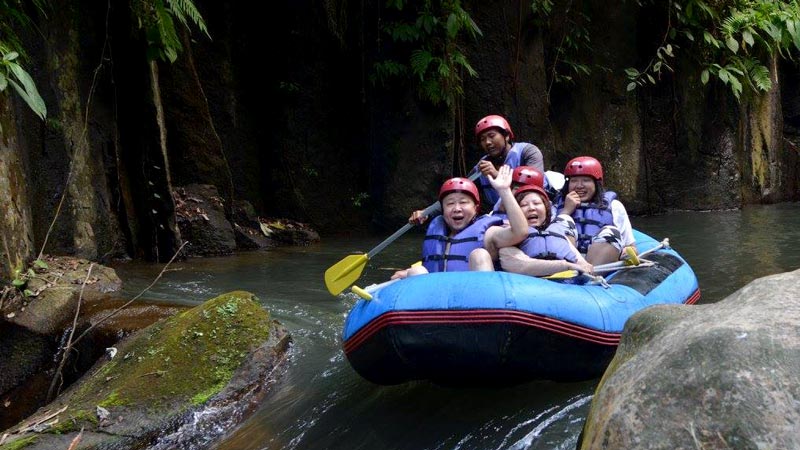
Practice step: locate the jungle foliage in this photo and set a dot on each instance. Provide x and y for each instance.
(732, 40)
(428, 33)
(155, 17)
(12, 73)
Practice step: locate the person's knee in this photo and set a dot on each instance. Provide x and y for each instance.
(602, 253)
(416, 270)
(480, 260)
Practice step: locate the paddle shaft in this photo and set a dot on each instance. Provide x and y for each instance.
(433, 208)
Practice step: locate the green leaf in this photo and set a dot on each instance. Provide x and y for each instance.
(631, 72)
(732, 44)
(420, 59)
(704, 76)
(747, 36)
(650, 77)
(3, 82)
(736, 86)
(453, 25)
(10, 56)
(39, 264)
(631, 86)
(18, 283)
(760, 76)
(28, 293)
(34, 103)
(723, 75)
(710, 40)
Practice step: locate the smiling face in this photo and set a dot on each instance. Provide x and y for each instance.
(493, 142)
(458, 210)
(534, 208)
(584, 186)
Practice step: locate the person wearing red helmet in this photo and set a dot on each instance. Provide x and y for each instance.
(494, 135)
(603, 228)
(521, 176)
(541, 251)
(452, 236)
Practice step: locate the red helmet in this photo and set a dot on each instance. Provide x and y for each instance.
(493, 121)
(584, 165)
(527, 175)
(532, 188)
(458, 184)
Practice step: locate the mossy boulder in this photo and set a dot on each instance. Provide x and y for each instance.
(211, 362)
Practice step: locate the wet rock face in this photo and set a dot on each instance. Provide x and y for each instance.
(186, 379)
(201, 219)
(708, 376)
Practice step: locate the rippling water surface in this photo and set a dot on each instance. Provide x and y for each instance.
(321, 403)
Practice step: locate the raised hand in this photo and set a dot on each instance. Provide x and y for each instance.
(502, 180)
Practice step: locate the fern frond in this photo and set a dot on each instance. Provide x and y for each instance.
(420, 60)
(761, 78)
(182, 9)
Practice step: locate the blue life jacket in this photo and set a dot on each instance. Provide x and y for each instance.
(512, 159)
(456, 259)
(590, 218)
(542, 244)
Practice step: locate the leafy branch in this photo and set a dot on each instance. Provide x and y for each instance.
(434, 60)
(156, 18)
(11, 71)
(736, 37)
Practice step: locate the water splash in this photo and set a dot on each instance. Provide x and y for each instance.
(562, 414)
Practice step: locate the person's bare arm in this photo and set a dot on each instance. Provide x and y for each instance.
(518, 229)
(512, 259)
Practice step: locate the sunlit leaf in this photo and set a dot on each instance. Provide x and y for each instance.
(732, 44)
(747, 36)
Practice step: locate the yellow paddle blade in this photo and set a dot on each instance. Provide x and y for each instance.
(633, 258)
(344, 273)
(361, 292)
(563, 275)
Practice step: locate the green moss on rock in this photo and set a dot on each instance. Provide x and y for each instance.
(177, 363)
(19, 444)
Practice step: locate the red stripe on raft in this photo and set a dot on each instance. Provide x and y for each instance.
(486, 316)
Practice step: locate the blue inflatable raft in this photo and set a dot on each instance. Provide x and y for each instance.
(492, 328)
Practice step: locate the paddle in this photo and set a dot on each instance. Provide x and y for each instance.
(617, 265)
(366, 293)
(344, 273)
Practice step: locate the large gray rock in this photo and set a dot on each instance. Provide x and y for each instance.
(711, 376)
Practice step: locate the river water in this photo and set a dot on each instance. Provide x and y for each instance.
(321, 403)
